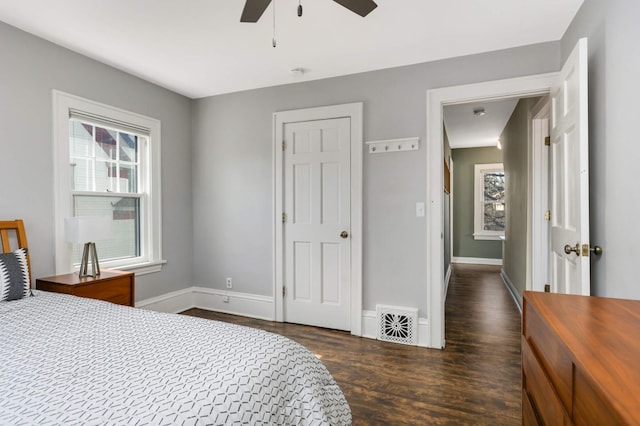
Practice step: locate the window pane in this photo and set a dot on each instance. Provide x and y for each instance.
(128, 178)
(106, 144)
(80, 139)
(128, 148)
(494, 216)
(81, 174)
(494, 186)
(106, 176)
(126, 226)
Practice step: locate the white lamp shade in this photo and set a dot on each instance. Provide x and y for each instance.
(84, 229)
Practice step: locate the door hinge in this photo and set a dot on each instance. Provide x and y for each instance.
(547, 141)
(284, 145)
(547, 288)
(284, 291)
(547, 215)
(284, 217)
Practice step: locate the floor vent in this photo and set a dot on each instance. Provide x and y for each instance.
(397, 325)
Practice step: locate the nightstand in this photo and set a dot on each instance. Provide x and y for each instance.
(111, 286)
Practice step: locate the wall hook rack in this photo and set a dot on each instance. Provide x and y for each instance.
(393, 145)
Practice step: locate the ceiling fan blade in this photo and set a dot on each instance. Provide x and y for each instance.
(361, 7)
(253, 10)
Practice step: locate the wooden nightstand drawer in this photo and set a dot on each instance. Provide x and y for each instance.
(111, 286)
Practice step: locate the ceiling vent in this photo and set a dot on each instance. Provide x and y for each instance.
(397, 324)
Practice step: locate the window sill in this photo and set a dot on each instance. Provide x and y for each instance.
(490, 237)
(143, 268)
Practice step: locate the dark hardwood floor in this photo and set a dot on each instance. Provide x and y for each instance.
(474, 380)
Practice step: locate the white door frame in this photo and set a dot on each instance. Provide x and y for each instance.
(534, 85)
(354, 112)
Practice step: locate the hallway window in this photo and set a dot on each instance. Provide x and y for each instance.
(489, 205)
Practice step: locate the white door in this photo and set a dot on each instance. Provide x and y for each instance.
(569, 191)
(316, 226)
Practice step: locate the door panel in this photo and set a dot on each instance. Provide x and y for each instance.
(570, 176)
(317, 202)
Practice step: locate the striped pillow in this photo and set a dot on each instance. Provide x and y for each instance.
(14, 275)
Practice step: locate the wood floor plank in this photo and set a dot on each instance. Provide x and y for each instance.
(475, 380)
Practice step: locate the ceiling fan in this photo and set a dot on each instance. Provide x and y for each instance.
(253, 9)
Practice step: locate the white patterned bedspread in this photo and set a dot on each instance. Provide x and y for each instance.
(73, 361)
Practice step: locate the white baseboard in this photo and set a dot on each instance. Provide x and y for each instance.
(370, 328)
(251, 305)
(248, 305)
(477, 261)
(174, 302)
(244, 304)
(512, 290)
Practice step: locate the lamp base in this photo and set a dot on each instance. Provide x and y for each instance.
(89, 251)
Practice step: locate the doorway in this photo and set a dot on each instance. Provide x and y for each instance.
(530, 86)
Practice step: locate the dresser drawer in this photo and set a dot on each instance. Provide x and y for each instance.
(116, 290)
(540, 391)
(552, 355)
(590, 407)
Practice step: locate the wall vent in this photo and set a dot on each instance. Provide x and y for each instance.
(397, 324)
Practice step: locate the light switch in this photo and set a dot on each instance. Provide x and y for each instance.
(419, 209)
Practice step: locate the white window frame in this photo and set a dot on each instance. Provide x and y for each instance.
(150, 259)
(479, 233)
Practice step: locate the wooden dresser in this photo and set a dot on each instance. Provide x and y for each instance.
(580, 360)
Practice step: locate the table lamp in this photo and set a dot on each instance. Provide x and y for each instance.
(87, 230)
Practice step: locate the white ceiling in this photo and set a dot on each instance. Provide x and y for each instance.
(199, 48)
(466, 130)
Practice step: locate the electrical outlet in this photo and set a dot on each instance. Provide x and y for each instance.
(229, 282)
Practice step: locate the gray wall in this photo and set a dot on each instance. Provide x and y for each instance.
(614, 67)
(30, 69)
(232, 171)
(464, 161)
(515, 143)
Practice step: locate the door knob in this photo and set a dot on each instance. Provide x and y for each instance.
(568, 249)
(344, 234)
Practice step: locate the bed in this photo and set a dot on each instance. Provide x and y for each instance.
(69, 360)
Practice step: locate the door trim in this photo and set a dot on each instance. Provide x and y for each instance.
(436, 99)
(354, 111)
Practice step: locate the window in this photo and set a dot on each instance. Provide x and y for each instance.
(108, 164)
(489, 203)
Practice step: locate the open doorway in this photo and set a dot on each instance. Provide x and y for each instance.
(437, 100)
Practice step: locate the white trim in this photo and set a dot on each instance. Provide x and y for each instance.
(354, 111)
(151, 219)
(369, 324)
(244, 304)
(476, 261)
(512, 290)
(174, 302)
(538, 226)
(436, 99)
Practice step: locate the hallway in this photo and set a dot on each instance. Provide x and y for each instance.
(483, 331)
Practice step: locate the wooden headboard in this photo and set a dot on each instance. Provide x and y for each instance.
(8, 228)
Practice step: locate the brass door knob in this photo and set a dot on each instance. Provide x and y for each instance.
(568, 249)
(344, 234)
